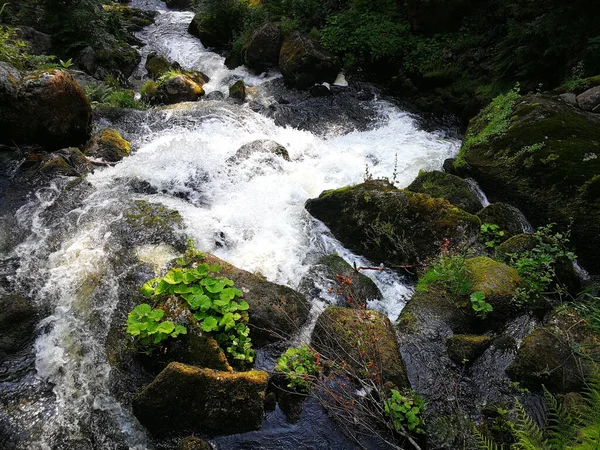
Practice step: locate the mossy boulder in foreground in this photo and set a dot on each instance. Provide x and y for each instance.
(188, 398)
(444, 185)
(108, 145)
(393, 226)
(545, 160)
(365, 340)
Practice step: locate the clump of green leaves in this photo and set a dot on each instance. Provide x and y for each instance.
(107, 94)
(491, 235)
(148, 330)
(479, 305)
(214, 301)
(405, 410)
(537, 266)
(300, 365)
(449, 270)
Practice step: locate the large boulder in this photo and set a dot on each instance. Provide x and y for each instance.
(303, 62)
(546, 163)
(112, 57)
(508, 218)
(180, 88)
(444, 185)
(392, 226)
(157, 65)
(276, 312)
(364, 340)
(188, 398)
(546, 357)
(331, 275)
(590, 100)
(107, 145)
(39, 43)
(17, 323)
(261, 51)
(215, 29)
(47, 108)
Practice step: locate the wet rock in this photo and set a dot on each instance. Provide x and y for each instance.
(448, 165)
(320, 90)
(157, 65)
(151, 223)
(261, 52)
(335, 276)
(508, 218)
(87, 60)
(213, 30)
(214, 95)
(464, 349)
(443, 185)
(46, 107)
(260, 146)
(238, 90)
(590, 100)
(69, 162)
(546, 164)
(107, 145)
(546, 356)
(276, 312)
(180, 88)
(206, 401)
(17, 323)
(303, 62)
(117, 58)
(364, 339)
(392, 226)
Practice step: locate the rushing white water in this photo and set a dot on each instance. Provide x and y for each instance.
(250, 213)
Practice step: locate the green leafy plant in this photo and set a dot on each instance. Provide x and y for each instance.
(449, 270)
(491, 235)
(214, 301)
(148, 330)
(66, 64)
(405, 410)
(301, 365)
(479, 305)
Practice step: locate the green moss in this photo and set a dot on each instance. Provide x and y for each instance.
(238, 90)
(108, 145)
(517, 244)
(493, 278)
(58, 166)
(151, 215)
(464, 349)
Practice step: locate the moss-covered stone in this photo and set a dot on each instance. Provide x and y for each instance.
(393, 226)
(187, 398)
(464, 348)
(193, 443)
(152, 223)
(68, 162)
(508, 218)
(547, 357)
(17, 323)
(333, 274)
(543, 163)
(214, 30)
(364, 339)
(517, 244)
(444, 185)
(276, 312)
(261, 51)
(238, 90)
(118, 58)
(157, 65)
(180, 88)
(108, 145)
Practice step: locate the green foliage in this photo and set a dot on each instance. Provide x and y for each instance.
(104, 94)
(491, 235)
(405, 410)
(12, 49)
(449, 270)
(214, 301)
(479, 305)
(537, 267)
(66, 64)
(148, 330)
(301, 365)
(588, 307)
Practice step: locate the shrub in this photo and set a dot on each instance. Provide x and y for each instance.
(405, 410)
(144, 325)
(12, 49)
(479, 305)
(300, 365)
(491, 235)
(449, 270)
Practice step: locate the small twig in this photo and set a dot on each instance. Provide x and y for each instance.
(99, 162)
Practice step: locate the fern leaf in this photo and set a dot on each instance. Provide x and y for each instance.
(484, 442)
(562, 425)
(528, 435)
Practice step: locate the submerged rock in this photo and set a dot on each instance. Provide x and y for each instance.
(108, 145)
(303, 62)
(443, 185)
(17, 323)
(546, 356)
(389, 225)
(187, 398)
(365, 340)
(47, 108)
(276, 312)
(546, 163)
(238, 90)
(260, 146)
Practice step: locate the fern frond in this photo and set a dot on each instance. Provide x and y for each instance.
(484, 442)
(528, 435)
(561, 424)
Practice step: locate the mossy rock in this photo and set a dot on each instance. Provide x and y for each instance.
(517, 244)
(157, 65)
(498, 282)
(68, 162)
(364, 339)
(17, 323)
(335, 275)
(180, 88)
(118, 58)
(508, 218)
(547, 357)
(151, 223)
(464, 348)
(276, 312)
(444, 185)
(214, 30)
(238, 90)
(261, 51)
(546, 163)
(188, 398)
(193, 443)
(392, 226)
(108, 145)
